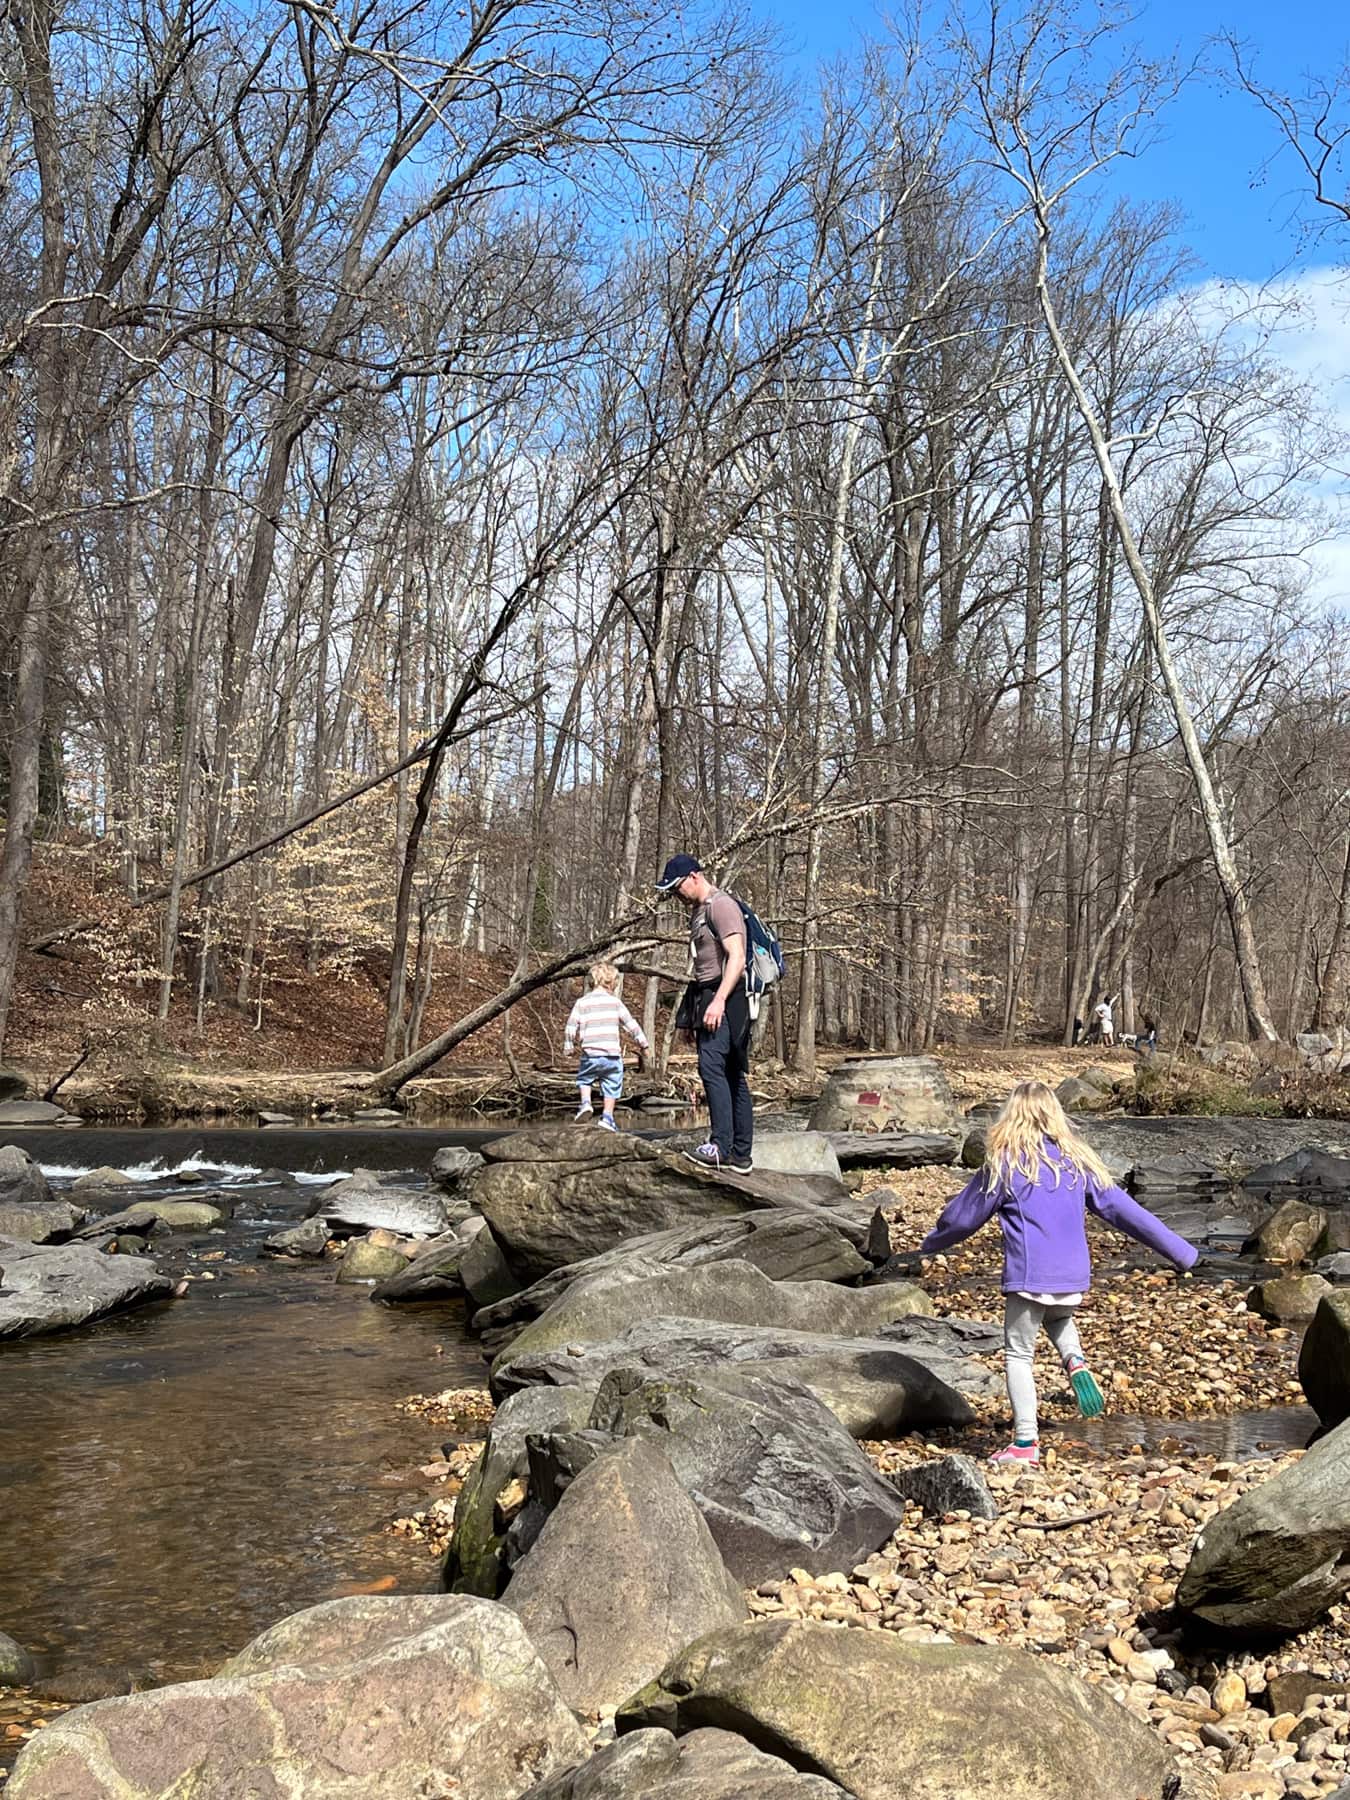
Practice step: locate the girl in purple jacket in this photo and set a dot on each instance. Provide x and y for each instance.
(1039, 1176)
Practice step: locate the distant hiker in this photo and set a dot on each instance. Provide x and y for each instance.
(1077, 1030)
(1104, 1021)
(1147, 1040)
(595, 1022)
(716, 1009)
(1040, 1178)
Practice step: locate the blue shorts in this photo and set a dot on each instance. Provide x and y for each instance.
(604, 1072)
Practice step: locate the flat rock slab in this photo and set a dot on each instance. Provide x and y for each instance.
(39, 1221)
(364, 1203)
(594, 1309)
(894, 1149)
(54, 1287)
(789, 1245)
(433, 1272)
(555, 1196)
(376, 1698)
(1233, 1147)
(624, 1574)
(874, 1388)
(893, 1721)
(705, 1765)
(780, 1482)
(1279, 1556)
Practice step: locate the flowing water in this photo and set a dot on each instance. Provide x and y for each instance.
(177, 1477)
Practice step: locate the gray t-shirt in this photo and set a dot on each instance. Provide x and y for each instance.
(714, 921)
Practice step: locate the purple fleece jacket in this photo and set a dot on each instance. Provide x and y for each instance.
(1045, 1247)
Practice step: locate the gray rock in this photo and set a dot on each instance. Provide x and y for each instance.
(100, 1180)
(13, 1086)
(780, 1482)
(451, 1167)
(22, 1182)
(894, 1721)
(378, 1697)
(175, 1215)
(483, 1272)
(276, 1118)
(554, 1196)
(377, 1115)
(309, 1238)
(1279, 1556)
(1336, 1237)
(594, 1309)
(810, 1245)
(947, 1485)
(705, 1765)
(433, 1272)
(1324, 1359)
(623, 1574)
(1075, 1095)
(1288, 1298)
(1231, 1055)
(1173, 1174)
(31, 1112)
(1291, 1689)
(1289, 1234)
(1331, 1268)
(364, 1261)
(49, 1288)
(17, 1667)
(795, 1153)
(473, 1563)
(1308, 1167)
(893, 1149)
(888, 1093)
(872, 1387)
(39, 1221)
(363, 1202)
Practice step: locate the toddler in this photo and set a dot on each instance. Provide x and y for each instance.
(1039, 1176)
(595, 1022)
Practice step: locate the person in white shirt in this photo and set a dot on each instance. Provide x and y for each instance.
(594, 1023)
(1104, 1019)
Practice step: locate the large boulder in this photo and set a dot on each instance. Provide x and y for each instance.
(554, 1196)
(780, 1482)
(50, 1288)
(365, 1202)
(888, 1093)
(893, 1721)
(35, 1112)
(13, 1086)
(1324, 1359)
(810, 1245)
(452, 1166)
(484, 1273)
(374, 1698)
(1289, 1234)
(594, 1310)
(364, 1260)
(1279, 1556)
(101, 1181)
(174, 1215)
(874, 1388)
(39, 1221)
(17, 1667)
(1302, 1169)
(706, 1765)
(623, 1574)
(432, 1272)
(309, 1238)
(473, 1563)
(22, 1182)
(1289, 1299)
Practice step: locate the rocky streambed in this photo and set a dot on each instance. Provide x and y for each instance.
(728, 1533)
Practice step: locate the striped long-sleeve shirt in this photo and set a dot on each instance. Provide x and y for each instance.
(595, 1022)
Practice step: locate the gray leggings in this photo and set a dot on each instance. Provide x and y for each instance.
(1022, 1319)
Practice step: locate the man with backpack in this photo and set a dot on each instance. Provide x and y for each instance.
(717, 1008)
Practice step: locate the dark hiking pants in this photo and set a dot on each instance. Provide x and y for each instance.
(724, 1065)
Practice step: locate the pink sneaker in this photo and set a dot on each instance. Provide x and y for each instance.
(1029, 1454)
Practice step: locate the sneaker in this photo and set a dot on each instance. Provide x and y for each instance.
(707, 1156)
(583, 1112)
(607, 1123)
(1091, 1401)
(740, 1165)
(1027, 1454)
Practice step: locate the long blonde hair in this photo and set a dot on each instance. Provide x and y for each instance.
(1016, 1141)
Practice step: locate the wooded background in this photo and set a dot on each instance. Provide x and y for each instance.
(553, 423)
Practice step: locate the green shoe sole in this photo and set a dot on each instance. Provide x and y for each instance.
(1087, 1393)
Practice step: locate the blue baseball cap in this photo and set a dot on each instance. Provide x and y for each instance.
(676, 870)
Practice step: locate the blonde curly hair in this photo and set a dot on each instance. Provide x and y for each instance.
(1016, 1142)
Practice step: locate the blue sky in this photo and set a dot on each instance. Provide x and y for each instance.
(1210, 153)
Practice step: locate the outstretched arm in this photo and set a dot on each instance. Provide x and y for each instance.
(963, 1215)
(634, 1030)
(1115, 1206)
